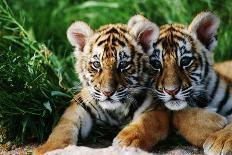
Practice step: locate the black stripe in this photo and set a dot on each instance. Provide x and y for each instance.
(201, 100)
(201, 61)
(98, 111)
(98, 38)
(158, 41)
(112, 115)
(155, 44)
(93, 106)
(179, 38)
(207, 82)
(135, 78)
(140, 98)
(194, 68)
(134, 51)
(87, 109)
(121, 43)
(79, 117)
(229, 112)
(80, 101)
(215, 88)
(206, 65)
(224, 100)
(139, 101)
(112, 30)
(196, 74)
(123, 30)
(193, 78)
(105, 113)
(101, 42)
(181, 33)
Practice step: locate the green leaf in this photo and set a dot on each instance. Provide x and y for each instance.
(90, 4)
(47, 105)
(24, 123)
(61, 94)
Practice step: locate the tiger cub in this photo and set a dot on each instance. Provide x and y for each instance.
(184, 77)
(114, 72)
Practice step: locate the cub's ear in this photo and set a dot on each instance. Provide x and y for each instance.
(144, 31)
(78, 33)
(135, 19)
(204, 26)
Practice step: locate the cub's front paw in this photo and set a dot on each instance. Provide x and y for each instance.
(196, 124)
(130, 137)
(219, 142)
(47, 147)
(38, 151)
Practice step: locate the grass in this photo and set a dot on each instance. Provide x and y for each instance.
(37, 78)
(47, 20)
(31, 93)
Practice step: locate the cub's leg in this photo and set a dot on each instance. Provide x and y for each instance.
(145, 131)
(196, 124)
(67, 129)
(220, 142)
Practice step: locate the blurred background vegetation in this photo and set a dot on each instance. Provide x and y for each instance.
(37, 78)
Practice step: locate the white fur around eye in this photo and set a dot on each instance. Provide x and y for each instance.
(188, 65)
(96, 67)
(123, 69)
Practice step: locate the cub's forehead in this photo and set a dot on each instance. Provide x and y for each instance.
(112, 40)
(173, 27)
(119, 51)
(115, 28)
(176, 43)
(179, 46)
(172, 38)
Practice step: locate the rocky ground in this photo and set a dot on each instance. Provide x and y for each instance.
(164, 150)
(112, 150)
(173, 145)
(6, 149)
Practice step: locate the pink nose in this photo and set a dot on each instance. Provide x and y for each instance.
(108, 93)
(172, 91)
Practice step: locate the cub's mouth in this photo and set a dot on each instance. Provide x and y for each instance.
(176, 104)
(110, 104)
(174, 99)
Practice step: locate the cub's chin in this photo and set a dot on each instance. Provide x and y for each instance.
(176, 104)
(110, 105)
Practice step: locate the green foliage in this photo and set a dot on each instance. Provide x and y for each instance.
(35, 83)
(30, 89)
(48, 20)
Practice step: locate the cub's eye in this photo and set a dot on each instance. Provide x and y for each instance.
(156, 64)
(186, 61)
(124, 65)
(96, 65)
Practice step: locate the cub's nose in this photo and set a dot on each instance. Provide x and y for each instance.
(108, 93)
(172, 91)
